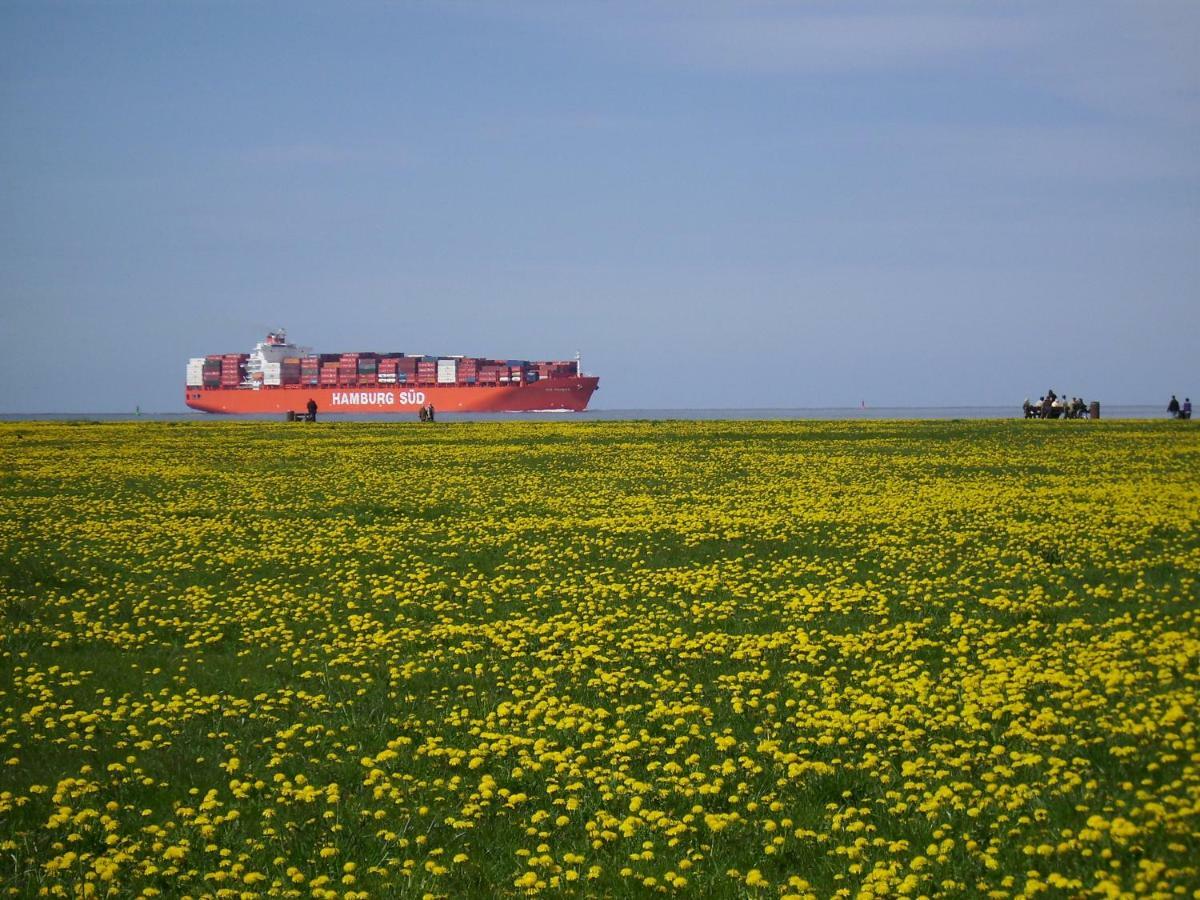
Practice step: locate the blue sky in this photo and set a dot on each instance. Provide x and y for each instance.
(743, 204)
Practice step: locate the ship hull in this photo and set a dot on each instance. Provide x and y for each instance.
(553, 394)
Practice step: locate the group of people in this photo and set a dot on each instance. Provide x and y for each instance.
(1051, 406)
(425, 415)
(1178, 411)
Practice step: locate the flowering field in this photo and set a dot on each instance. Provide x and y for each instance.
(612, 659)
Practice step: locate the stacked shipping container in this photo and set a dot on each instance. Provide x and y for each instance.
(348, 369)
(355, 369)
(286, 371)
(233, 369)
(212, 371)
(310, 370)
(195, 371)
(396, 369)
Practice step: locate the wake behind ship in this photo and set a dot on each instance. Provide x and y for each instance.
(278, 376)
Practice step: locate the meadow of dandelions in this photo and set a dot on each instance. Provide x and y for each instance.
(759, 659)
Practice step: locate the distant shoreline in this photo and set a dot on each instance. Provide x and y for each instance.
(825, 413)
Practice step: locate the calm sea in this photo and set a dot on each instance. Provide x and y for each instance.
(599, 415)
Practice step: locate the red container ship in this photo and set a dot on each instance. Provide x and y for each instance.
(278, 377)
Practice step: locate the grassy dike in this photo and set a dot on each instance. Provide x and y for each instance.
(599, 658)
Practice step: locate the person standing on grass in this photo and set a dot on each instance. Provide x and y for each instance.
(1173, 407)
(312, 409)
(430, 412)
(423, 415)
(1186, 411)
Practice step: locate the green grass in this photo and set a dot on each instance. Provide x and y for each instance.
(590, 610)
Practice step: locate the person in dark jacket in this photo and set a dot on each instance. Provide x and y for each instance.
(1173, 407)
(430, 412)
(312, 409)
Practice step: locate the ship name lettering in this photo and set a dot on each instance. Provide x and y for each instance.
(363, 398)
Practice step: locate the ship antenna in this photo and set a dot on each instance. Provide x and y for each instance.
(578, 363)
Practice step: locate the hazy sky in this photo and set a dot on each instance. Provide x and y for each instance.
(740, 204)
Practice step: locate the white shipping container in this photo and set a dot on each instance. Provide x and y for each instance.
(445, 378)
(271, 379)
(195, 380)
